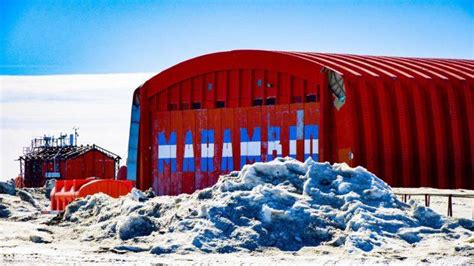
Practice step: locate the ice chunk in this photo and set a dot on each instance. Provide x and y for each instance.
(7, 188)
(134, 226)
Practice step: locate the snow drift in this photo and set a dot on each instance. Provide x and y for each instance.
(284, 204)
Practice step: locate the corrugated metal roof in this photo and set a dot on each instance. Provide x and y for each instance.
(344, 64)
(407, 119)
(391, 67)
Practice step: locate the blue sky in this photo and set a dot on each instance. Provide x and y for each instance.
(61, 37)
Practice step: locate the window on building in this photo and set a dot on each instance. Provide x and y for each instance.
(173, 106)
(257, 102)
(311, 98)
(270, 101)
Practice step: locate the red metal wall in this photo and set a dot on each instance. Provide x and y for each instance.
(408, 120)
(90, 164)
(176, 174)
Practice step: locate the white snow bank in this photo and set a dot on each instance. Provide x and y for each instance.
(284, 204)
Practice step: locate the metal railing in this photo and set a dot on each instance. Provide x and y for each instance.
(406, 194)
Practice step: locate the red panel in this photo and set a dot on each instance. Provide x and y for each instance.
(209, 91)
(197, 89)
(467, 111)
(214, 123)
(281, 119)
(254, 120)
(63, 168)
(239, 118)
(186, 93)
(221, 85)
(156, 126)
(227, 122)
(295, 111)
(176, 178)
(272, 85)
(284, 92)
(259, 84)
(311, 88)
(163, 101)
(175, 98)
(88, 163)
(339, 122)
(381, 112)
(393, 162)
(247, 88)
(189, 125)
(234, 88)
(439, 135)
(421, 124)
(403, 114)
(240, 121)
(266, 123)
(311, 117)
(457, 144)
(367, 114)
(161, 179)
(327, 149)
(386, 125)
(144, 156)
(376, 126)
(297, 92)
(201, 177)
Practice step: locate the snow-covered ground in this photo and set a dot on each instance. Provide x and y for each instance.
(281, 212)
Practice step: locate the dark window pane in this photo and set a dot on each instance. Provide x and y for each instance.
(310, 98)
(270, 101)
(257, 102)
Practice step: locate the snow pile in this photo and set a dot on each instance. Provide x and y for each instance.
(7, 188)
(284, 204)
(22, 204)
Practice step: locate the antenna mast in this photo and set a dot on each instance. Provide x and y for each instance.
(75, 134)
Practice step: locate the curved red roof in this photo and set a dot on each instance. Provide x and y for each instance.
(409, 120)
(299, 62)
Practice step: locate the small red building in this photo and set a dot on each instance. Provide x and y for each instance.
(50, 158)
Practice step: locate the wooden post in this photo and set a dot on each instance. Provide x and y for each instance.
(450, 206)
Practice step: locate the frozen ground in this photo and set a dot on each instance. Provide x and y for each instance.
(279, 212)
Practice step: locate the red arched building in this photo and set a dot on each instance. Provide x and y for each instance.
(408, 120)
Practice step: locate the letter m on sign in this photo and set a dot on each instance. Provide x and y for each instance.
(166, 152)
